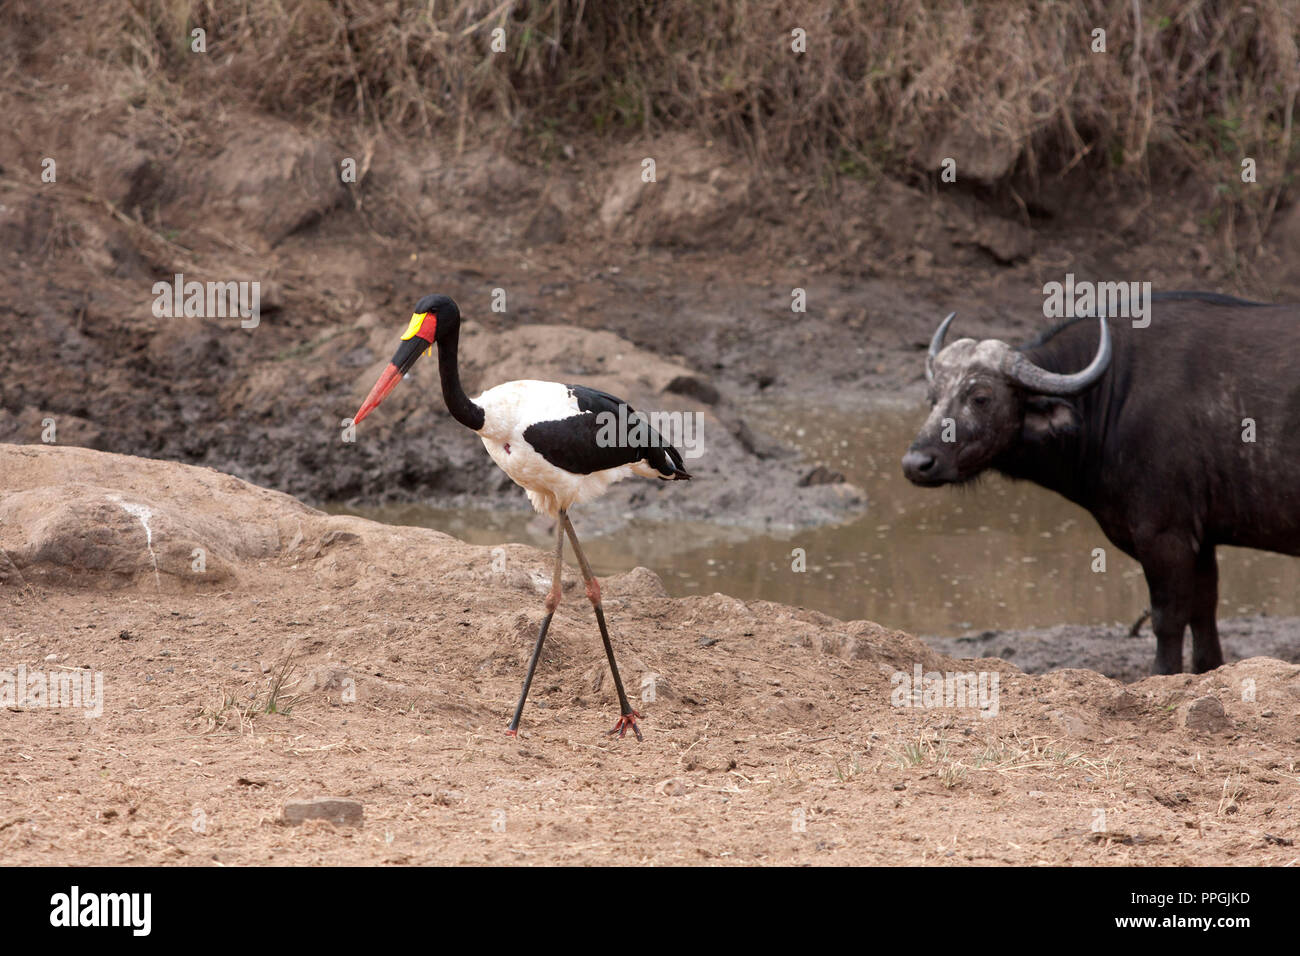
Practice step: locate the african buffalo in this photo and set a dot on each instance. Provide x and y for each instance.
(1177, 437)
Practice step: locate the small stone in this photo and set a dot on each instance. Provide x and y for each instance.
(693, 387)
(333, 809)
(1125, 703)
(821, 475)
(1206, 713)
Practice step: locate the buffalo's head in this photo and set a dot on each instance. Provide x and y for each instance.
(986, 397)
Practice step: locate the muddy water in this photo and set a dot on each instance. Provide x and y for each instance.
(999, 554)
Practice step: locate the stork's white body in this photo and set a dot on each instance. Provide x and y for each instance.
(509, 409)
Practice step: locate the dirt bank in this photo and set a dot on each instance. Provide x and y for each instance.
(771, 736)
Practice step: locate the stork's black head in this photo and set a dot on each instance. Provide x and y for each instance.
(435, 319)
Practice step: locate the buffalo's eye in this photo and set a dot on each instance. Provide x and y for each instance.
(979, 401)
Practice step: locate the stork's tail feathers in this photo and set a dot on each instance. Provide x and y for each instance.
(673, 468)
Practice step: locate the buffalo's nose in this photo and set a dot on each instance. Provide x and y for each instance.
(917, 463)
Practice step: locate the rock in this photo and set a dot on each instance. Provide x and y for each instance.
(9, 573)
(1003, 239)
(692, 386)
(698, 198)
(1074, 725)
(186, 342)
(271, 179)
(1125, 704)
(546, 227)
(125, 518)
(984, 157)
(637, 583)
(124, 174)
(334, 809)
(821, 475)
(324, 678)
(1207, 714)
(270, 296)
(654, 687)
(337, 536)
(30, 425)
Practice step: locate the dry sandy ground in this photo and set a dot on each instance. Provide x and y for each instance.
(771, 737)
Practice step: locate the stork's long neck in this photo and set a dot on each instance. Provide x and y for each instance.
(458, 403)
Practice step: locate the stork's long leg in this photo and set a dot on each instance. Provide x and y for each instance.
(628, 716)
(552, 602)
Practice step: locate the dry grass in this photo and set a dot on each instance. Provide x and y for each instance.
(1004, 755)
(1186, 86)
(237, 711)
(1181, 82)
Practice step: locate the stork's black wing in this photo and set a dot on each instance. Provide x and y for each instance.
(606, 433)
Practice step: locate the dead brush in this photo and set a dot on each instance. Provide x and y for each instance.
(1178, 76)
(236, 711)
(1012, 754)
(846, 767)
(280, 682)
(1184, 87)
(1230, 797)
(1003, 755)
(230, 714)
(913, 753)
(931, 750)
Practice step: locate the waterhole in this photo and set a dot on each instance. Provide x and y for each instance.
(995, 554)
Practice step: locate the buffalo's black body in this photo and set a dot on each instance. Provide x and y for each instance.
(1156, 448)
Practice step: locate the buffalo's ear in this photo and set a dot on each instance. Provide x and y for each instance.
(1047, 417)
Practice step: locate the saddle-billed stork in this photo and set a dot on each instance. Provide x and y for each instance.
(553, 440)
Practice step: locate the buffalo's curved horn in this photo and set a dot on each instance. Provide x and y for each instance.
(1024, 372)
(936, 344)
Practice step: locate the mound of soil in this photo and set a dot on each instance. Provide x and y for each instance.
(332, 656)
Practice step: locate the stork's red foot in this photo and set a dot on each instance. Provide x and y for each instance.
(511, 732)
(624, 722)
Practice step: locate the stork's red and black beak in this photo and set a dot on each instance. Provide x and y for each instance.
(417, 341)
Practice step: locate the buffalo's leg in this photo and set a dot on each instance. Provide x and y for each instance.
(1170, 567)
(1206, 652)
(552, 602)
(627, 717)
